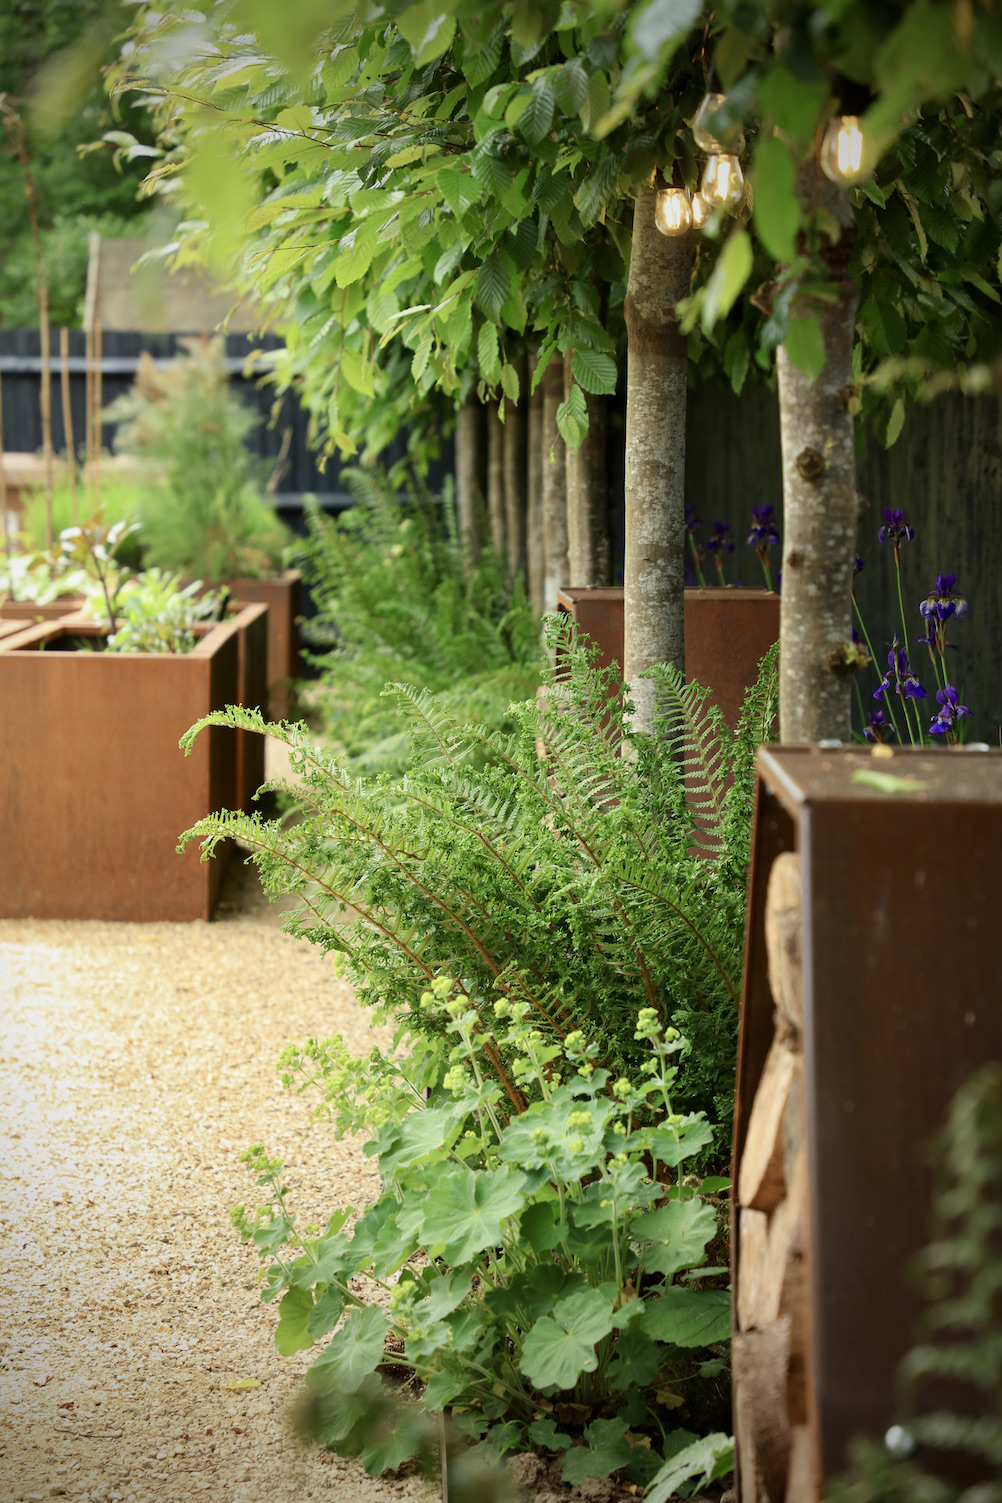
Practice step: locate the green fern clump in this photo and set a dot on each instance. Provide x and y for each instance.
(581, 882)
(398, 601)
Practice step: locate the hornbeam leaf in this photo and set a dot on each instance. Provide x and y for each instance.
(883, 325)
(595, 371)
(493, 286)
(572, 418)
(537, 116)
(805, 346)
(660, 26)
(458, 189)
(730, 274)
(488, 356)
(776, 208)
(596, 190)
(570, 86)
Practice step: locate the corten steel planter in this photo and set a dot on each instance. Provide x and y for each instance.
(283, 597)
(728, 630)
(29, 610)
(95, 790)
(871, 993)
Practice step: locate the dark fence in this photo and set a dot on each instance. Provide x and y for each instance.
(20, 373)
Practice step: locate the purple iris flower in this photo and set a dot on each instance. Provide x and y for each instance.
(950, 711)
(943, 601)
(691, 520)
(878, 725)
(763, 529)
(720, 538)
(895, 529)
(901, 678)
(857, 566)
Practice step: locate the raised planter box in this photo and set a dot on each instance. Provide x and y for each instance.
(94, 790)
(30, 610)
(283, 597)
(871, 993)
(728, 630)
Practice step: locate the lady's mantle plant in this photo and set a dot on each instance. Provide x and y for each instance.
(540, 1273)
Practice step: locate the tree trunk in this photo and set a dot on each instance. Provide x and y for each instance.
(555, 565)
(534, 525)
(516, 475)
(655, 457)
(495, 481)
(819, 504)
(469, 457)
(588, 498)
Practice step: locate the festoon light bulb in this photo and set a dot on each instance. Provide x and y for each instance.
(701, 211)
(723, 181)
(842, 150)
(672, 211)
(704, 137)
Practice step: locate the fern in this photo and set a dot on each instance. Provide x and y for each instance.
(556, 880)
(398, 601)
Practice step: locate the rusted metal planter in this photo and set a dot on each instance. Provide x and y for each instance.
(727, 632)
(283, 597)
(95, 790)
(871, 960)
(29, 610)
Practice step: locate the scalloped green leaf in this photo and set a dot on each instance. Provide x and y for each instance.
(561, 1346)
(687, 1317)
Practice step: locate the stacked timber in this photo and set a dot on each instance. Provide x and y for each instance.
(774, 1450)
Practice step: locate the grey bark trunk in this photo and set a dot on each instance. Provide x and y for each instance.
(556, 570)
(516, 474)
(819, 505)
(534, 525)
(469, 464)
(588, 497)
(495, 481)
(655, 457)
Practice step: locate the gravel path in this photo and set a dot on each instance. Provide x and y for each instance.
(137, 1063)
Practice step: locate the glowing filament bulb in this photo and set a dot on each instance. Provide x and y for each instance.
(842, 150)
(730, 140)
(723, 181)
(672, 211)
(701, 211)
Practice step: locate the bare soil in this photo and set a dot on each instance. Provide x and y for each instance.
(136, 1360)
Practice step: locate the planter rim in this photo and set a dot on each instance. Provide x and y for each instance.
(800, 776)
(212, 637)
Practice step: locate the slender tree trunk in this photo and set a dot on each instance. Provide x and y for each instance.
(655, 457)
(469, 501)
(516, 474)
(556, 570)
(495, 481)
(3, 505)
(71, 456)
(534, 525)
(588, 497)
(819, 504)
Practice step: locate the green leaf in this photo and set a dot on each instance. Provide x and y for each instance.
(355, 259)
(572, 418)
(492, 173)
(291, 1333)
(420, 1134)
(736, 359)
(570, 86)
(730, 274)
(657, 29)
(544, 1432)
(537, 116)
(478, 66)
(493, 286)
(489, 354)
(686, 1317)
(682, 1228)
(467, 1210)
(793, 104)
(805, 345)
(541, 1228)
(596, 101)
(895, 423)
(597, 188)
(445, 1295)
(606, 1449)
(548, 189)
(510, 382)
(393, 1447)
(561, 1346)
(458, 189)
(357, 371)
(429, 35)
(883, 325)
(355, 1351)
(594, 371)
(712, 1456)
(777, 209)
(325, 1313)
(636, 1362)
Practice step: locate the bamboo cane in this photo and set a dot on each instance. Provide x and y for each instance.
(3, 504)
(97, 412)
(71, 459)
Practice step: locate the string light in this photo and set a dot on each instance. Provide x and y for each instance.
(723, 181)
(701, 211)
(704, 137)
(842, 150)
(672, 211)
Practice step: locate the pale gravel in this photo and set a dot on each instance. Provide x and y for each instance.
(137, 1062)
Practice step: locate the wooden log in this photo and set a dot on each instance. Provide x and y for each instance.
(762, 1174)
(759, 1361)
(753, 1270)
(801, 1486)
(784, 939)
